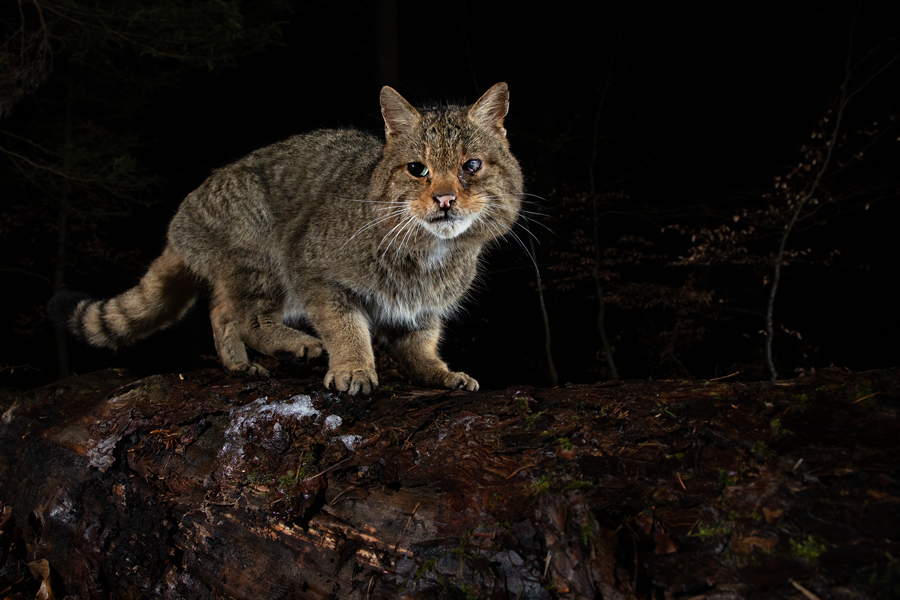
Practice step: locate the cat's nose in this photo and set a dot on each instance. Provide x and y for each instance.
(444, 200)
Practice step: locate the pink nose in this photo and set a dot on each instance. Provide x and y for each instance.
(445, 200)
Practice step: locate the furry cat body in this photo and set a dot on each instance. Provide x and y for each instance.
(339, 229)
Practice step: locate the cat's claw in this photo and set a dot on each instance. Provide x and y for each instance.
(252, 369)
(312, 348)
(309, 349)
(457, 380)
(352, 381)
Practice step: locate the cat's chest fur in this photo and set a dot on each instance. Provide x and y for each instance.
(430, 282)
(397, 288)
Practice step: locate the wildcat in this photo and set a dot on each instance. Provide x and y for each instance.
(353, 235)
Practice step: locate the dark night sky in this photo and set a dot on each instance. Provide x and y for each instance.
(703, 103)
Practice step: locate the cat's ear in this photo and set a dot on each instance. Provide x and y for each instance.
(491, 109)
(399, 115)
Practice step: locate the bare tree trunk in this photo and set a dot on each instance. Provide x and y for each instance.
(62, 343)
(59, 271)
(819, 168)
(607, 347)
(601, 301)
(548, 351)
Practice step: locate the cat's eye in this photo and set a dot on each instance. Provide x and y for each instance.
(471, 166)
(417, 169)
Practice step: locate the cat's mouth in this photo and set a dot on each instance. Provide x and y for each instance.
(445, 217)
(447, 225)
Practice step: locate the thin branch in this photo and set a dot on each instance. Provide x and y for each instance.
(43, 278)
(810, 189)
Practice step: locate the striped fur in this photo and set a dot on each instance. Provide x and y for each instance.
(161, 298)
(337, 229)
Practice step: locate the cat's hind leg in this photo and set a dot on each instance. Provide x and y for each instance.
(266, 333)
(227, 336)
(256, 323)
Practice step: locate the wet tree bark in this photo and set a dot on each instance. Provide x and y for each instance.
(206, 486)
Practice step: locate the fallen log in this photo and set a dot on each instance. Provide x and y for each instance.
(203, 485)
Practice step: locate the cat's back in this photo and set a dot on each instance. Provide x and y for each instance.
(272, 185)
(314, 163)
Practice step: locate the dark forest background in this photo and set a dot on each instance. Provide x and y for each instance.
(712, 190)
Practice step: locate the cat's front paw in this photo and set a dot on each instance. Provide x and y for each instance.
(457, 380)
(353, 381)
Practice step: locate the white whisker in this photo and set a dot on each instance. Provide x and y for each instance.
(411, 221)
(529, 232)
(368, 201)
(525, 249)
(402, 225)
(374, 222)
(403, 242)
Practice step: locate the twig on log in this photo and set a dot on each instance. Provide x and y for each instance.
(803, 590)
(408, 521)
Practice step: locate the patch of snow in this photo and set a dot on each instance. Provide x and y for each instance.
(257, 413)
(350, 441)
(262, 418)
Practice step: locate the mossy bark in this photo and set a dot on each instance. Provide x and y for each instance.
(206, 486)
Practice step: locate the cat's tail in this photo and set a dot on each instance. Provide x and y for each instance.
(161, 297)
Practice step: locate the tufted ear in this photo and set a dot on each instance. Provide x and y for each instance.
(399, 115)
(491, 108)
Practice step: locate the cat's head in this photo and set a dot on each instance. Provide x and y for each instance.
(451, 166)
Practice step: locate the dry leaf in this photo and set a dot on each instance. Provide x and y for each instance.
(746, 545)
(772, 514)
(45, 592)
(40, 569)
(665, 544)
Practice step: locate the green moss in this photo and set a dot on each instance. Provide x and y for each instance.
(778, 430)
(522, 405)
(808, 549)
(542, 484)
(427, 565)
(760, 450)
(889, 578)
(290, 480)
(704, 532)
(580, 484)
(734, 515)
(530, 420)
(461, 552)
(564, 444)
(724, 479)
(467, 592)
(259, 477)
